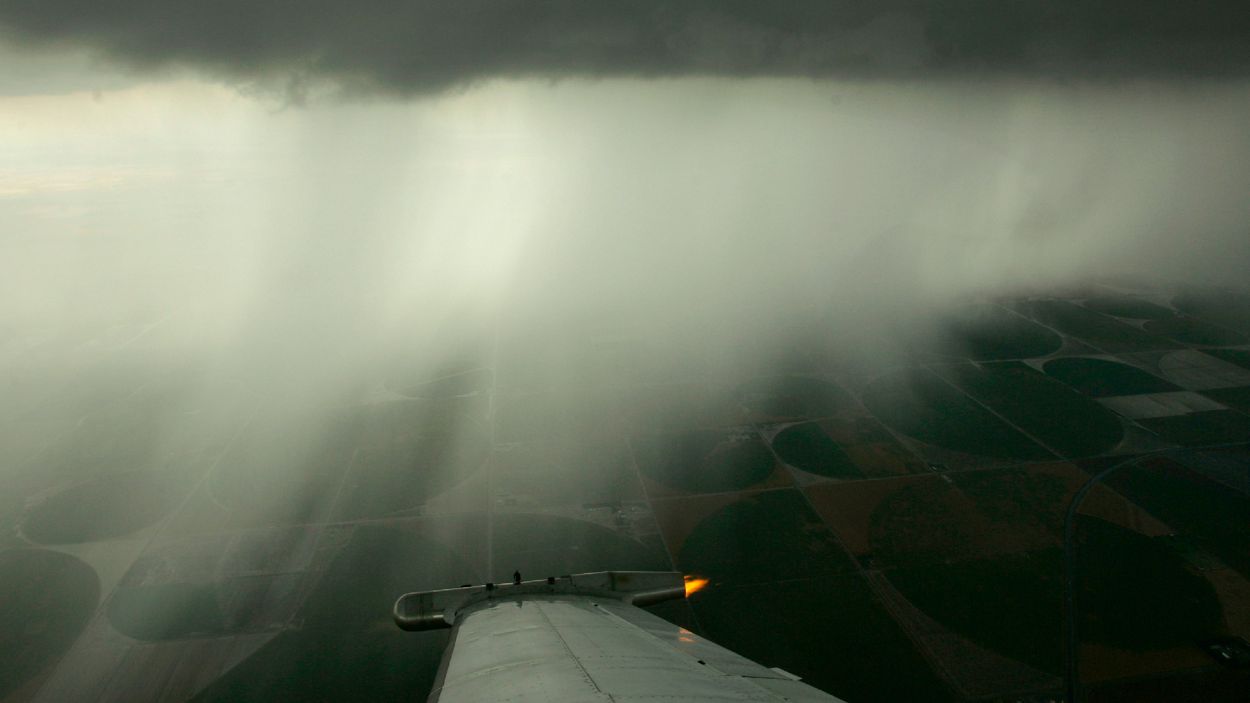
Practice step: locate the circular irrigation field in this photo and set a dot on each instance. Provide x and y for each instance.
(808, 447)
(1134, 593)
(990, 333)
(768, 536)
(1127, 306)
(705, 461)
(105, 507)
(934, 410)
(1100, 378)
(923, 406)
(48, 598)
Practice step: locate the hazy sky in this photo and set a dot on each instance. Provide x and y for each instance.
(343, 171)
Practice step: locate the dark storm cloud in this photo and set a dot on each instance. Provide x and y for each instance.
(427, 45)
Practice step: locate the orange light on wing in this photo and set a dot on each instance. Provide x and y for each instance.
(694, 584)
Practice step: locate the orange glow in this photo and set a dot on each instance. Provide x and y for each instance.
(694, 584)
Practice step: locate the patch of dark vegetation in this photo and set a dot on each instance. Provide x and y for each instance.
(1238, 397)
(1208, 512)
(797, 632)
(773, 535)
(167, 611)
(1133, 593)
(988, 332)
(46, 599)
(404, 467)
(808, 447)
(705, 461)
(1054, 414)
(1189, 330)
(1240, 357)
(347, 647)
(1127, 306)
(178, 590)
(1200, 428)
(922, 405)
(1220, 307)
(1100, 378)
(1106, 333)
(106, 507)
(548, 545)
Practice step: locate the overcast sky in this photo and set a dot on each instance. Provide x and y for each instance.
(429, 45)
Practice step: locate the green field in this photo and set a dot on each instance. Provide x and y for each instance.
(543, 545)
(768, 536)
(1240, 357)
(988, 332)
(405, 470)
(346, 647)
(1050, 412)
(832, 631)
(808, 447)
(1106, 333)
(944, 466)
(106, 507)
(705, 461)
(1099, 378)
(1200, 428)
(922, 405)
(1209, 513)
(46, 599)
(1221, 307)
(1133, 593)
(1237, 398)
(1193, 331)
(1126, 306)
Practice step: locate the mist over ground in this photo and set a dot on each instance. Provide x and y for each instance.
(715, 224)
(320, 237)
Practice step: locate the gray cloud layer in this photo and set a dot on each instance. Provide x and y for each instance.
(424, 45)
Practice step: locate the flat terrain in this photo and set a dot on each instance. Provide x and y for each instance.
(887, 528)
